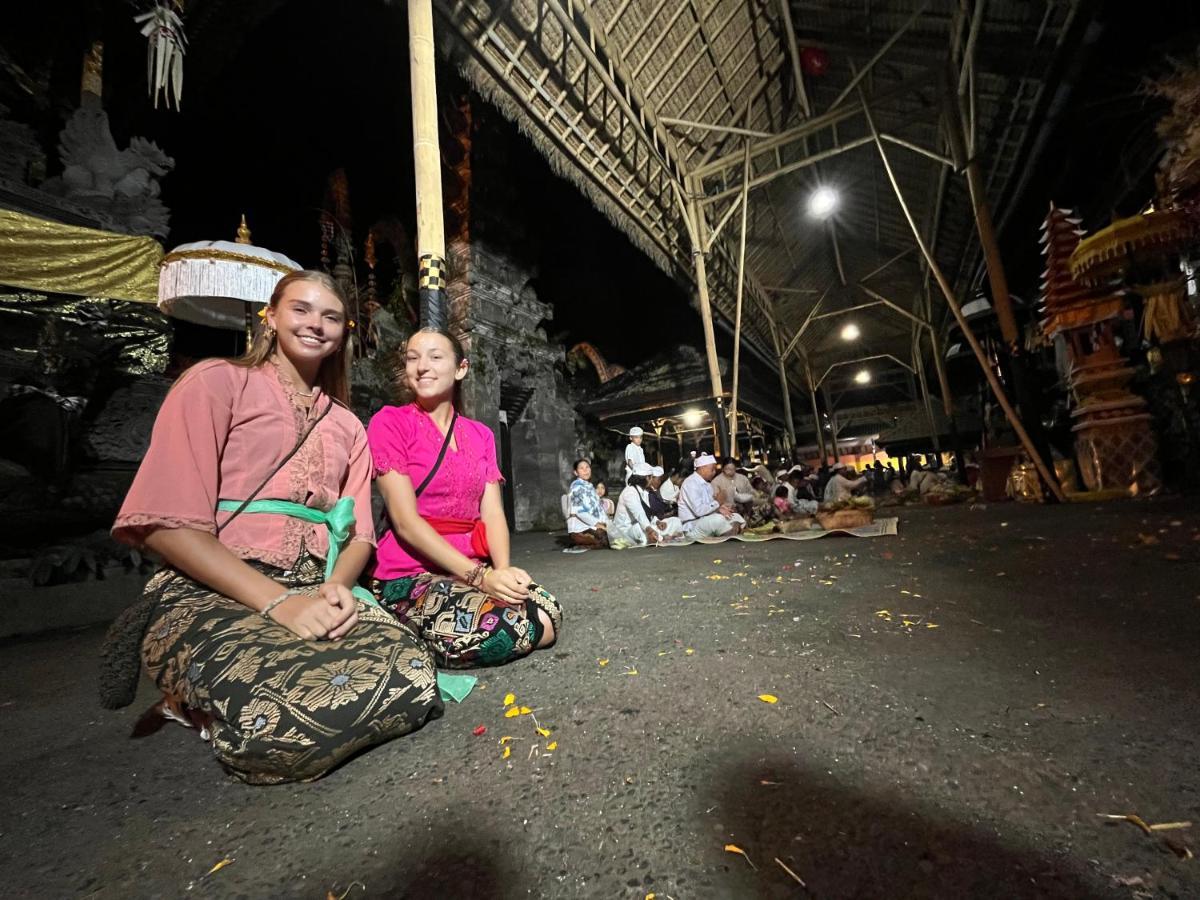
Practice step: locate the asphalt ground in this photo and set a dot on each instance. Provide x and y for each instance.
(970, 759)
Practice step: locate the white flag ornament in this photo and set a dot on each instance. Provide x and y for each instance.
(163, 29)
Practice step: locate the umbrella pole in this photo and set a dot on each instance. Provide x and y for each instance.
(427, 162)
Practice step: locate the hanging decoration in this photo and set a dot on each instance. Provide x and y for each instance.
(162, 27)
(813, 61)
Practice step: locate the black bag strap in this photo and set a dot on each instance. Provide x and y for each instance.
(283, 462)
(437, 463)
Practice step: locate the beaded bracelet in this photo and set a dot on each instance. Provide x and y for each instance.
(265, 612)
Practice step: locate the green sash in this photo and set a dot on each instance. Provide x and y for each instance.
(338, 521)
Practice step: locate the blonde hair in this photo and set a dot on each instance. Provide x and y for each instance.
(333, 376)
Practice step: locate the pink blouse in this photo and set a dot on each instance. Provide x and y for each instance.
(404, 439)
(220, 432)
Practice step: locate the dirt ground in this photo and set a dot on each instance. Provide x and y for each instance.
(968, 759)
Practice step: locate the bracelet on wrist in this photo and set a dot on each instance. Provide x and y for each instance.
(265, 612)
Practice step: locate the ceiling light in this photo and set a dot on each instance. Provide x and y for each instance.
(822, 202)
(850, 332)
(693, 417)
(862, 377)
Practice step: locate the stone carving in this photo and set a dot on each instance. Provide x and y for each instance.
(21, 156)
(122, 185)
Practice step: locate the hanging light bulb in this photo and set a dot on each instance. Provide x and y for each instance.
(822, 202)
(693, 417)
(850, 332)
(862, 377)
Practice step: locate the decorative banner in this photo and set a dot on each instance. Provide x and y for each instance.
(41, 255)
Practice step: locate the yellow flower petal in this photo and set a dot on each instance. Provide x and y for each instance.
(544, 732)
(509, 699)
(524, 710)
(507, 753)
(768, 698)
(689, 651)
(734, 848)
(504, 740)
(602, 662)
(553, 745)
(511, 712)
(219, 866)
(630, 672)
(930, 625)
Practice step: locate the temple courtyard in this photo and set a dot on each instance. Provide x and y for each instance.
(1034, 670)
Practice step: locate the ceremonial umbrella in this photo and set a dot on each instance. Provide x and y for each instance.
(218, 283)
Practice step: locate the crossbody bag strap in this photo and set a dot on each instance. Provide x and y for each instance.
(437, 463)
(296, 449)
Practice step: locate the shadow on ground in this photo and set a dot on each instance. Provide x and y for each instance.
(844, 842)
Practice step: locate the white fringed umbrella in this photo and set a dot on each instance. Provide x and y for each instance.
(218, 283)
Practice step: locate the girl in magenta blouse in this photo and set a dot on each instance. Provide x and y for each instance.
(444, 565)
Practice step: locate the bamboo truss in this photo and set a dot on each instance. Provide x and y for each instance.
(680, 117)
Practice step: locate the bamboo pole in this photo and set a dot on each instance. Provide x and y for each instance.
(952, 302)
(879, 54)
(737, 315)
(785, 13)
(427, 163)
(812, 395)
(997, 278)
(696, 232)
(724, 129)
(923, 380)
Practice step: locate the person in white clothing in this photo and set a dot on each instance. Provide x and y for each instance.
(840, 487)
(587, 525)
(699, 511)
(633, 525)
(669, 489)
(634, 453)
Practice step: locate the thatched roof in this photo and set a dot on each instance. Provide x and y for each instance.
(668, 385)
(602, 86)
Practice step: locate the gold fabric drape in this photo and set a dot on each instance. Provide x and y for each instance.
(40, 255)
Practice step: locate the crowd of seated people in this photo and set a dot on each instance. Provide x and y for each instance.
(702, 497)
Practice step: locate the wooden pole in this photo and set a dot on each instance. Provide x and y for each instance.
(706, 319)
(997, 278)
(737, 315)
(788, 424)
(812, 394)
(833, 423)
(427, 162)
(785, 13)
(952, 302)
(923, 381)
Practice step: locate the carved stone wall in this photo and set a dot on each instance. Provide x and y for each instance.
(516, 370)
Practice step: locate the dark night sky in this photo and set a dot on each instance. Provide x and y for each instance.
(320, 85)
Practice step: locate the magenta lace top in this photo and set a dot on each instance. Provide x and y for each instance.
(404, 439)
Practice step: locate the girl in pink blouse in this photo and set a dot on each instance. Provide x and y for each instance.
(444, 566)
(255, 632)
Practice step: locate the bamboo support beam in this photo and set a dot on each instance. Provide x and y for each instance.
(427, 165)
(833, 313)
(917, 148)
(879, 54)
(964, 325)
(720, 226)
(791, 167)
(817, 424)
(785, 13)
(804, 325)
(737, 317)
(705, 126)
(784, 389)
(710, 341)
(895, 307)
(997, 278)
(862, 359)
(924, 383)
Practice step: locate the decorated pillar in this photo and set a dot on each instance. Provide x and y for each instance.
(431, 238)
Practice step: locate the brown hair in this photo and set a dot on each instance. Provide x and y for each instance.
(333, 376)
(403, 391)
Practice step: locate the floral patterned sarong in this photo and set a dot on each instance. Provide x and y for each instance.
(286, 709)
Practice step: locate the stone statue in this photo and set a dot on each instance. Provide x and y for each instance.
(122, 185)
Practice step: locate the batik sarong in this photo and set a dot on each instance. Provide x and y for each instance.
(462, 625)
(283, 708)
